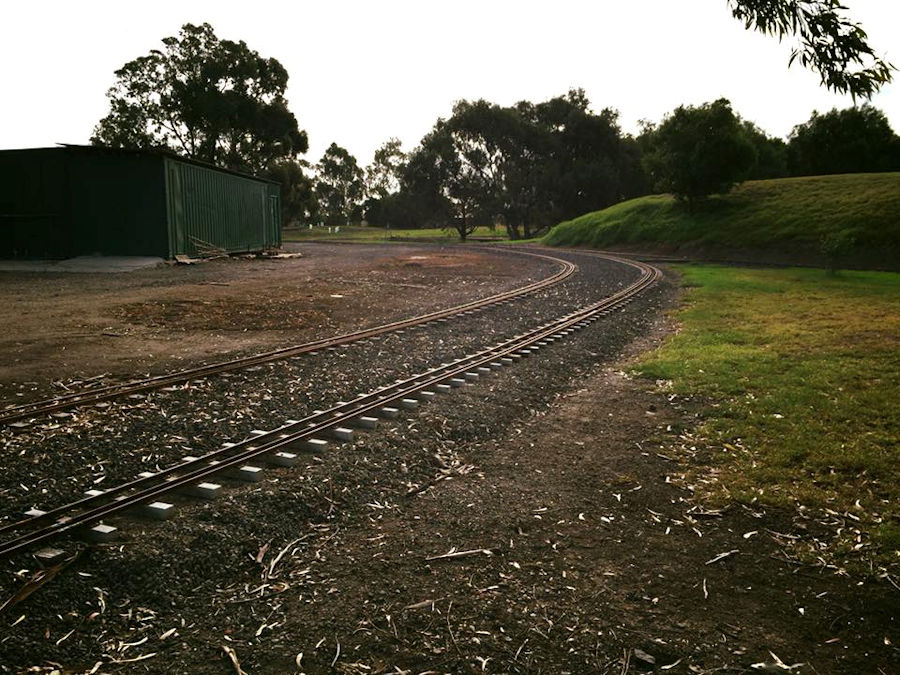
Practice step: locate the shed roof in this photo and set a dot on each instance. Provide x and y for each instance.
(149, 152)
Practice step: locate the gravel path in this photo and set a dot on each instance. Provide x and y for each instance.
(54, 462)
(194, 586)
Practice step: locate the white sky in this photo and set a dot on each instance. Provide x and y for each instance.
(363, 71)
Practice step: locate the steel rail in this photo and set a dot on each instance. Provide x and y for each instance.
(93, 396)
(95, 508)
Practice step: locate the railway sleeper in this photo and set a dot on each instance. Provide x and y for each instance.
(47, 557)
(365, 422)
(281, 458)
(155, 510)
(98, 534)
(341, 434)
(204, 490)
(247, 473)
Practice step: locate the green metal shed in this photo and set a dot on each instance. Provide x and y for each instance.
(83, 200)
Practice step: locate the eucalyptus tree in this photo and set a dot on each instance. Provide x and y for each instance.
(828, 42)
(853, 140)
(213, 100)
(699, 150)
(339, 187)
(383, 174)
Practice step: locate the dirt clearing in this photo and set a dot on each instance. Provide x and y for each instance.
(60, 326)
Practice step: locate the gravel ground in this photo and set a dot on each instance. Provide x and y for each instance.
(528, 523)
(63, 328)
(157, 572)
(59, 457)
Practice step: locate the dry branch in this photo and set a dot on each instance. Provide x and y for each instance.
(461, 554)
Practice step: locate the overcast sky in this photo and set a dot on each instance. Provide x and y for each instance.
(363, 71)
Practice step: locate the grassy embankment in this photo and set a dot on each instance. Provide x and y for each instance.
(375, 234)
(780, 221)
(800, 369)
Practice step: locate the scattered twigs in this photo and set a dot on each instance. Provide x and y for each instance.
(722, 556)
(37, 580)
(450, 629)
(423, 604)
(626, 661)
(208, 250)
(461, 554)
(280, 555)
(232, 656)
(337, 654)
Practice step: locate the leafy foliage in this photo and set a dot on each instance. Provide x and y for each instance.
(771, 154)
(383, 174)
(299, 205)
(339, 187)
(213, 100)
(698, 151)
(844, 141)
(829, 43)
(526, 166)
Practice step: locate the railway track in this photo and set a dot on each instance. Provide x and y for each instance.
(63, 402)
(193, 475)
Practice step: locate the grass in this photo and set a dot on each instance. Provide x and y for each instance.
(375, 234)
(785, 215)
(801, 372)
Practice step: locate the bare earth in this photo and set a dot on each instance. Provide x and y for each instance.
(560, 544)
(60, 326)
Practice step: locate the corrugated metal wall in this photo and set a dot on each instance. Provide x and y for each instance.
(118, 202)
(64, 202)
(209, 208)
(34, 207)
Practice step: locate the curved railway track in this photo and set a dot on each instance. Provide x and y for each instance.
(99, 394)
(409, 393)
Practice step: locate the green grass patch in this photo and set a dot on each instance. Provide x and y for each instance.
(377, 234)
(789, 214)
(802, 374)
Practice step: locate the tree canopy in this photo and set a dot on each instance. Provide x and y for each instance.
(829, 43)
(698, 151)
(383, 174)
(299, 204)
(528, 166)
(854, 140)
(213, 100)
(339, 186)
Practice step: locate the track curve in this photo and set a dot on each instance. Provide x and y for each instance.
(84, 512)
(97, 395)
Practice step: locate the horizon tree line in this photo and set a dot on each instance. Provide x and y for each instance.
(523, 167)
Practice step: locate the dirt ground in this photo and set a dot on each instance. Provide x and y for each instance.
(60, 327)
(556, 542)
